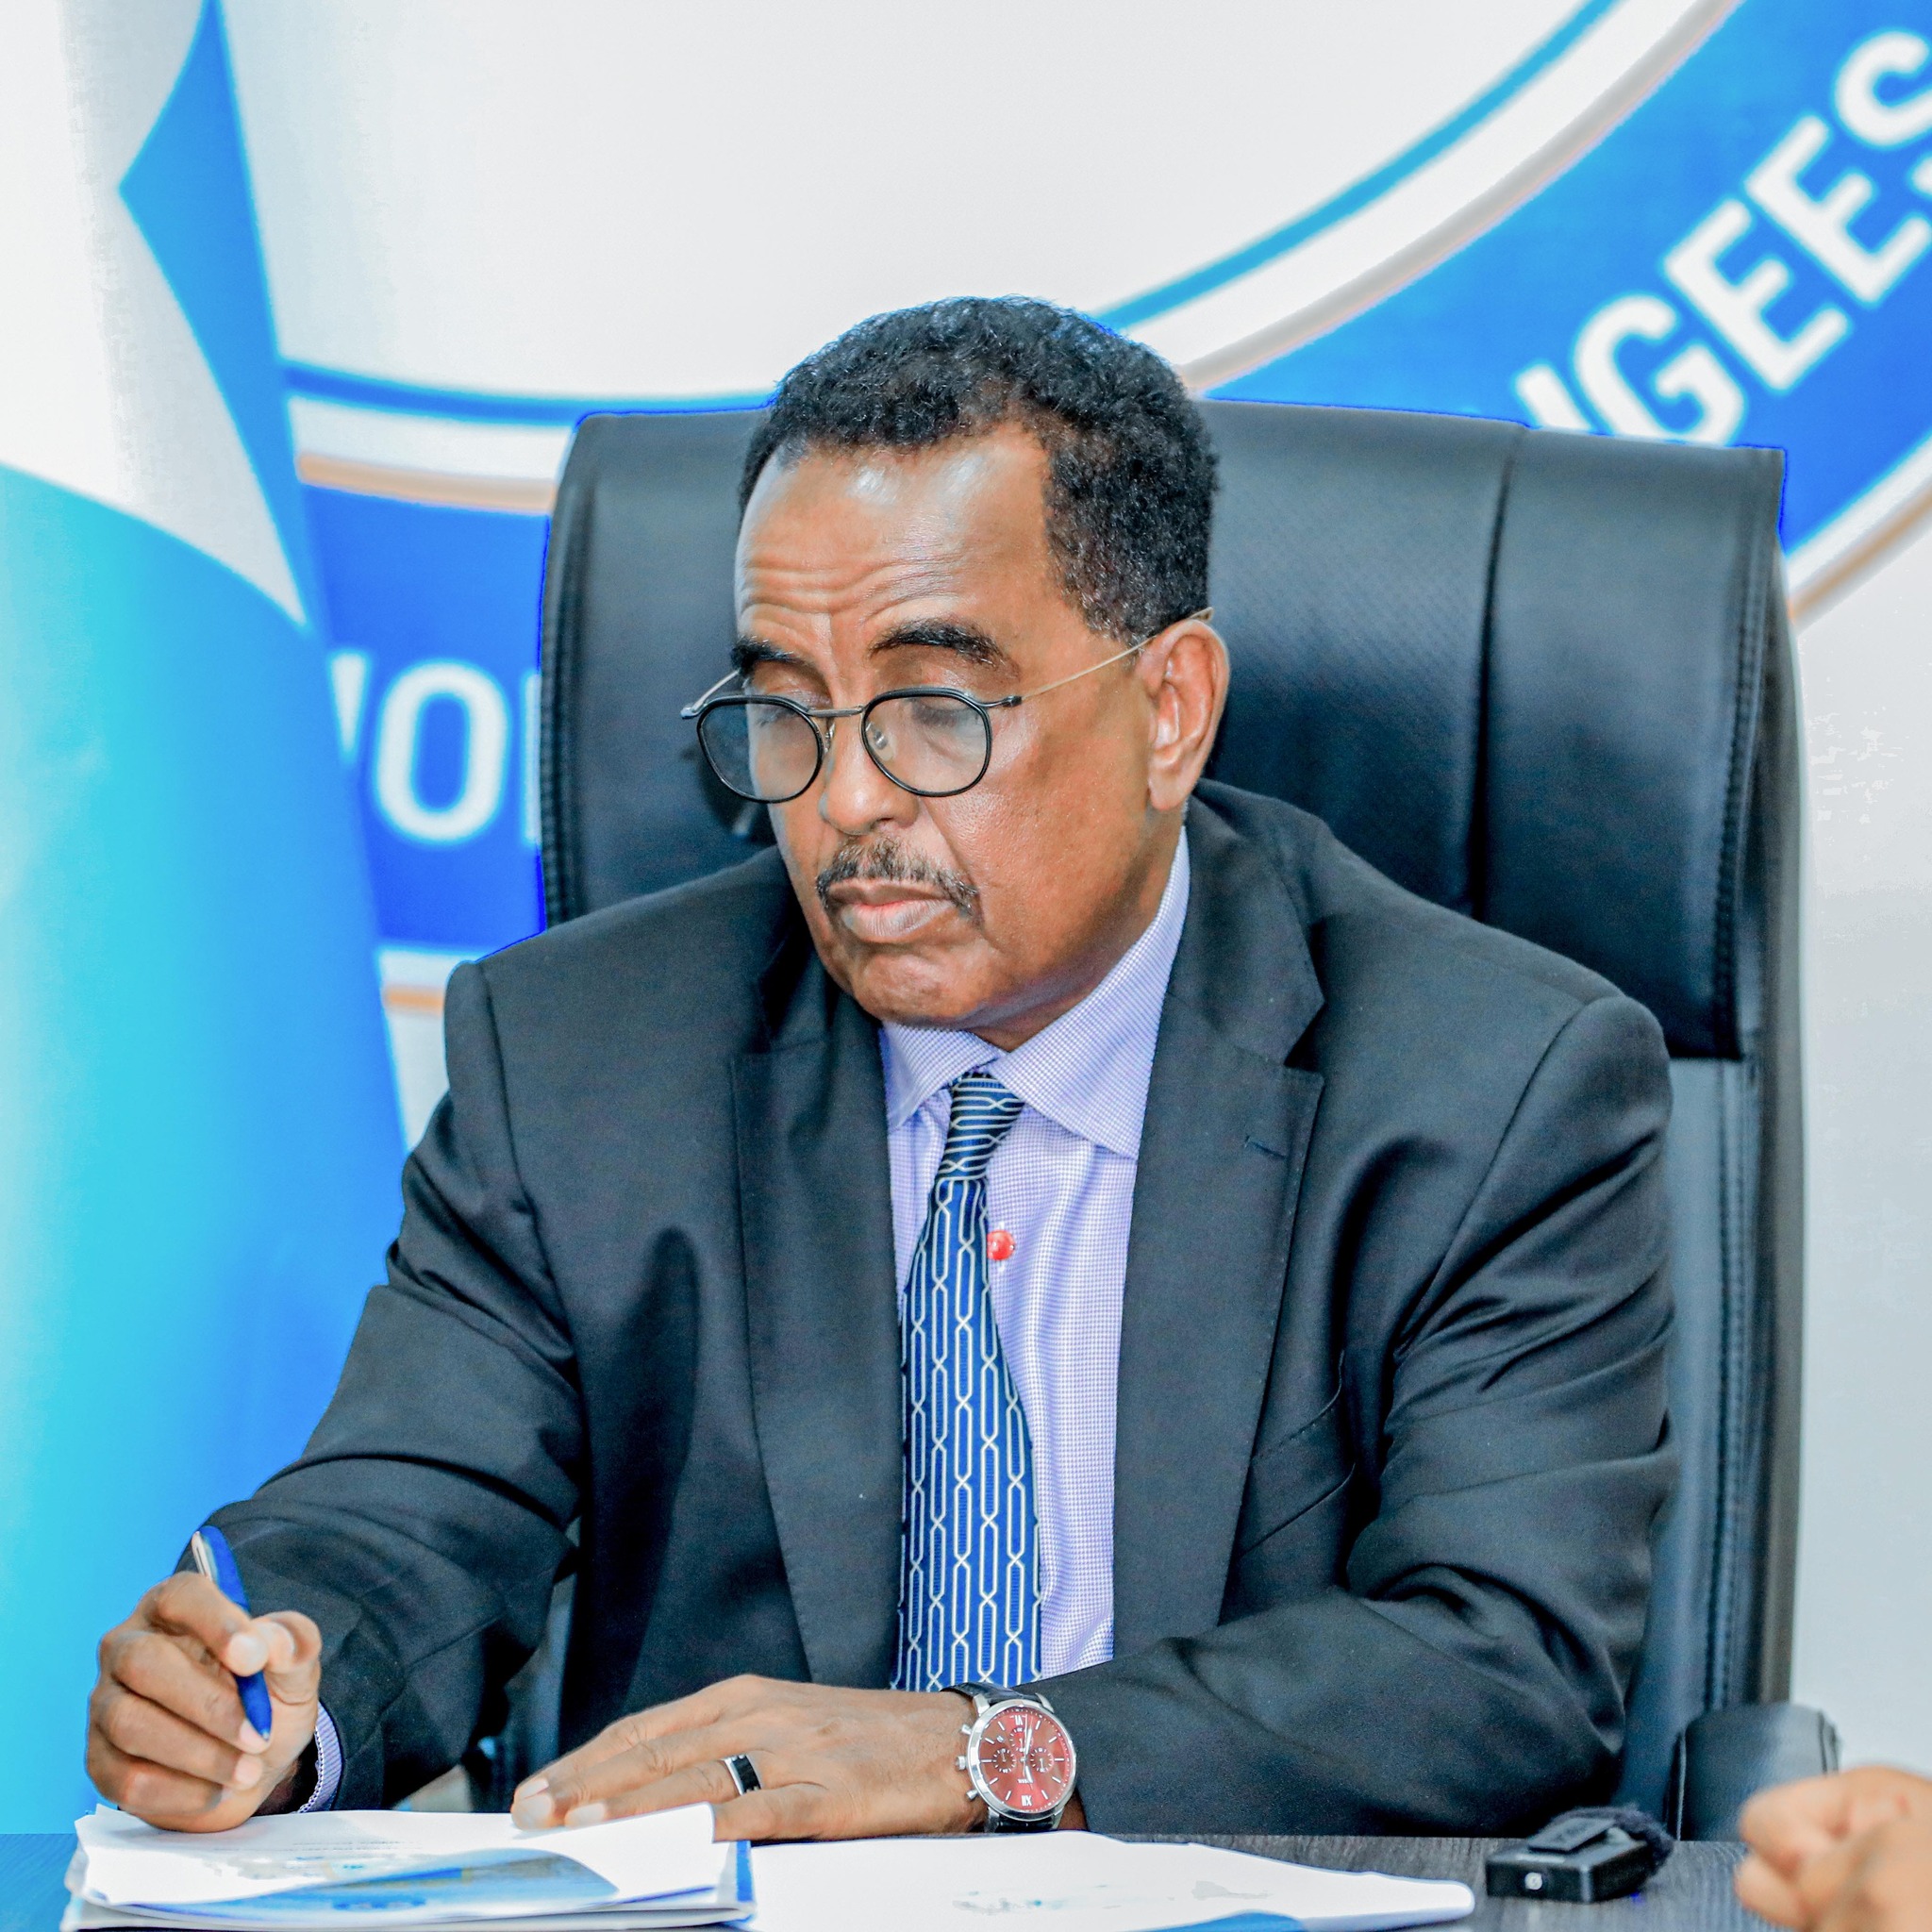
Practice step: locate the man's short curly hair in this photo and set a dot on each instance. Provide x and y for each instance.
(1131, 482)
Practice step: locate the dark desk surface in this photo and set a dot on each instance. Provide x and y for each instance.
(1693, 1893)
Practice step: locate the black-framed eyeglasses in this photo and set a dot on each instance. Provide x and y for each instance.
(928, 738)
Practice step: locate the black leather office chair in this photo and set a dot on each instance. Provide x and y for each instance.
(1542, 679)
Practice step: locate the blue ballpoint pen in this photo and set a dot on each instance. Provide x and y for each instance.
(216, 1561)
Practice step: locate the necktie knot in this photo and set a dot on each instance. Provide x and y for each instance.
(983, 1113)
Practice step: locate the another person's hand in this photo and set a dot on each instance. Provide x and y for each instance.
(166, 1736)
(1849, 1853)
(831, 1763)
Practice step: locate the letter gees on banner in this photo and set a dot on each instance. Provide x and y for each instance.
(1699, 218)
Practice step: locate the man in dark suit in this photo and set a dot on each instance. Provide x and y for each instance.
(1053, 1227)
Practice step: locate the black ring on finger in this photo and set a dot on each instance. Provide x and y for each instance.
(742, 1773)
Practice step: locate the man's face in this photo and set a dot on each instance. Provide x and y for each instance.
(999, 908)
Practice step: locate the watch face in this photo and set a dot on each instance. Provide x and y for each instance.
(1025, 1760)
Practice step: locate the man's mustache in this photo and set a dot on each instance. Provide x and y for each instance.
(885, 858)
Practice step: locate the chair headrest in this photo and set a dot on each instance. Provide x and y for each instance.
(1517, 671)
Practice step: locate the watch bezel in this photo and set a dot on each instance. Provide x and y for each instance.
(988, 1709)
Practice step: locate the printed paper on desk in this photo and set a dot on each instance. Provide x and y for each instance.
(1074, 1881)
(132, 1865)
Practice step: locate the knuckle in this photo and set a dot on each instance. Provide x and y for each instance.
(117, 1723)
(143, 1790)
(118, 1642)
(145, 1660)
(133, 1652)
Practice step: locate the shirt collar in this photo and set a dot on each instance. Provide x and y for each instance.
(1089, 1071)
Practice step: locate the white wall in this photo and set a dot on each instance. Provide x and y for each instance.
(1865, 1534)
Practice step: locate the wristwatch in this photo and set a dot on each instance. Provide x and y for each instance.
(1019, 1758)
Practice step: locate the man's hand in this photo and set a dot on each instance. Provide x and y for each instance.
(166, 1735)
(832, 1764)
(1840, 1853)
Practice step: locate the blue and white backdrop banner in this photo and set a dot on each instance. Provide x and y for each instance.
(198, 1143)
(1698, 219)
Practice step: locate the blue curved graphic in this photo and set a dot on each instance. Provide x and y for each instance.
(1461, 337)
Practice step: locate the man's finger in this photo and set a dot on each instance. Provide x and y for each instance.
(699, 1711)
(707, 1783)
(1850, 1909)
(1765, 1890)
(143, 1730)
(1799, 1821)
(553, 1796)
(1796, 1822)
(1886, 1881)
(189, 1604)
(774, 1811)
(293, 1668)
(148, 1791)
(630, 1732)
(158, 1669)
(1822, 1879)
(580, 1778)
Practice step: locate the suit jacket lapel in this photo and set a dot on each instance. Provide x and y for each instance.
(824, 1324)
(1222, 1151)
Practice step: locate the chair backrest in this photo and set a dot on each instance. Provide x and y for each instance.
(1540, 678)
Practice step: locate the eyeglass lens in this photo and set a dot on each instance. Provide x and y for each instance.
(927, 742)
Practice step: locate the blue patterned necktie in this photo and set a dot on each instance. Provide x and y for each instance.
(970, 1585)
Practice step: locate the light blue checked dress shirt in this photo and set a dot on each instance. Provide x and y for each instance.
(1061, 1184)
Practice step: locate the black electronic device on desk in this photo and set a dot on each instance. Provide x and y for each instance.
(1582, 1857)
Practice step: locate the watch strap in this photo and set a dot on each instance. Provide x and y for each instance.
(985, 1696)
(997, 1821)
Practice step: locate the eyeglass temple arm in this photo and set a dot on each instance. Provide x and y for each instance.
(1206, 616)
(692, 709)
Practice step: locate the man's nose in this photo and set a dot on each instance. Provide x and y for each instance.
(856, 795)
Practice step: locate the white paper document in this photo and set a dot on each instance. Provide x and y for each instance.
(404, 1867)
(427, 1870)
(1073, 1881)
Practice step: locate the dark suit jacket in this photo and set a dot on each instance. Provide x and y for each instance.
(1392, 1430)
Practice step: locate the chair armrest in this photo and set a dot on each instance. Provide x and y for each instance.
(1724, 1757)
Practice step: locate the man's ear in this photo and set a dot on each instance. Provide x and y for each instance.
(1184, 672)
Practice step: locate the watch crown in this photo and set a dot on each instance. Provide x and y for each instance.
(959, 1763)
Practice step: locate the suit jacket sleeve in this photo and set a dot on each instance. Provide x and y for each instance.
(1469, 1667)
(427, 1521)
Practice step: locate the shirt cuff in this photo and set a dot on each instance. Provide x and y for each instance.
(328, 1762)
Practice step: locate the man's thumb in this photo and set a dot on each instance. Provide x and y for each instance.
(293, 1672)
